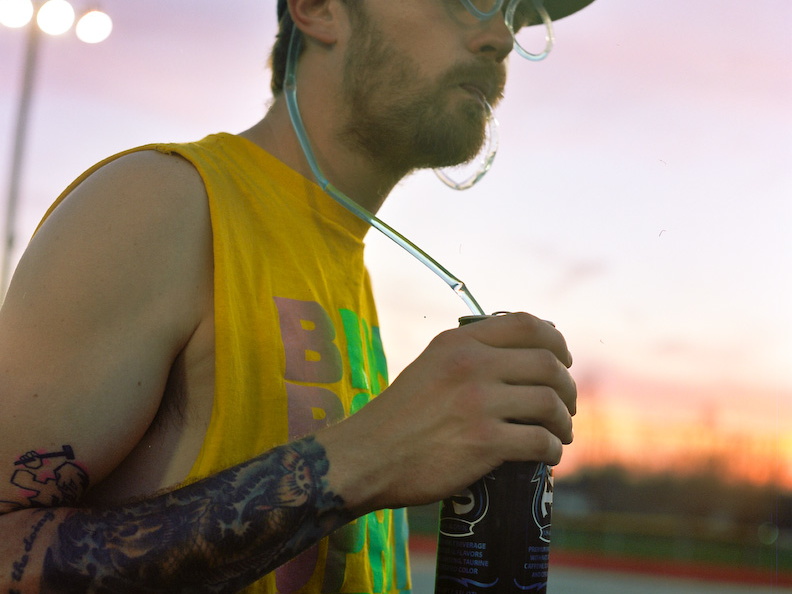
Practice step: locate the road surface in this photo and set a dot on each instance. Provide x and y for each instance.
(565, 580)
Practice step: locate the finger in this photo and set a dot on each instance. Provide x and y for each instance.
(530, 443)
(534, 367)
(534, 405)
(520, 330)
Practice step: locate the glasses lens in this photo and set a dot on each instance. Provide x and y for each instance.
(531, 35)
(522, 14)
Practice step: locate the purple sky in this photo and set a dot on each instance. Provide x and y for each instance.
(641, 199)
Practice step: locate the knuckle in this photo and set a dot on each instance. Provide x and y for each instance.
(482, 435)
(548, 363)
(546, 401)
(462, 363)
(453, 356)
(528, 322)
(444, 340)
(550, 399)
(553, 412)
(548, 447)
(475, 400)
(555, 450)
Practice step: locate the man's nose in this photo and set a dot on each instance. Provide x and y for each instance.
(492, 38)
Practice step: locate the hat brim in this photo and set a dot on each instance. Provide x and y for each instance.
(558, 9)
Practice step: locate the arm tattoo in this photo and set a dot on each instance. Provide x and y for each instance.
(18, 567)
(216, 535)
(46, 480)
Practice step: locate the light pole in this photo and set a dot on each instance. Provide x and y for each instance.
(53, 17)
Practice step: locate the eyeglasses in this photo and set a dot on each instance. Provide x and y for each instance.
(518, 16)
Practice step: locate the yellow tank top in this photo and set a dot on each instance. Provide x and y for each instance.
(297, 344)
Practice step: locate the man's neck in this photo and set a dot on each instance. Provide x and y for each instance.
(348, 170)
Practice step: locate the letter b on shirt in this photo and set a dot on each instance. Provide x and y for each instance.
(308, 334)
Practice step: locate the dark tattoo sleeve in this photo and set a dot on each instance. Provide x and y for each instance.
(216, 535)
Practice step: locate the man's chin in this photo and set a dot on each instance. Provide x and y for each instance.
(455, 162)
(444, 161)
(459, 151)
(455, 141)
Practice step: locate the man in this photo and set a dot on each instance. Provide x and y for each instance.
(190, 324)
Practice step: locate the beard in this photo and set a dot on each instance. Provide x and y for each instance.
(403, 123)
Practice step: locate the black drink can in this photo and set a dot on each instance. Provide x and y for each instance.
(494, 537)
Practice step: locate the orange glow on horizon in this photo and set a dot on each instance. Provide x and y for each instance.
(626, 429)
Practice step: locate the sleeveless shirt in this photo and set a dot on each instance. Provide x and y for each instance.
(297, 344)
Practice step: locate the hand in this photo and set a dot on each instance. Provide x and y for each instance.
(478, 396)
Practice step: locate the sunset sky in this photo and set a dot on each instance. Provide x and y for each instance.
(641, 198)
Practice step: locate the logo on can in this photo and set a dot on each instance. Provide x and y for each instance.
(543, 500)
(460, 513)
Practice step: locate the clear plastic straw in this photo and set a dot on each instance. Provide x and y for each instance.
(290, 91)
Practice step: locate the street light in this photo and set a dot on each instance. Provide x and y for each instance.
(53, 17)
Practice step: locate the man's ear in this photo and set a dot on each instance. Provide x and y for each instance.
(317, 19)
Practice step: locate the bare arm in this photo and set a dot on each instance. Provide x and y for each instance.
(110, 290)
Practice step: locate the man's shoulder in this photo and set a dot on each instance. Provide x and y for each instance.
(145, 188)
(154, 170)
(137, 227)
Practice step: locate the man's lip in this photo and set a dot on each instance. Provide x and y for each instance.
(475, 90)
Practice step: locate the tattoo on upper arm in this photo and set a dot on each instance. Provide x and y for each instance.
(216, 535)
(47, 479)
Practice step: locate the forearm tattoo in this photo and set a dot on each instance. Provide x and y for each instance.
(216, 535)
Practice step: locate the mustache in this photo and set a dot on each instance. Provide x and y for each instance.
(488, 78)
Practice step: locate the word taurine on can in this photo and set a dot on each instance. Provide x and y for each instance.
(494, 537)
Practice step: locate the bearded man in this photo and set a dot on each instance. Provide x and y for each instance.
(195, 396)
